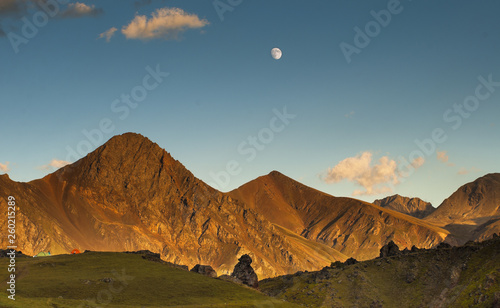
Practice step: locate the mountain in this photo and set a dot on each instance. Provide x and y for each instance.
(129, 194)
(411, 206)
(473, 211)
(355, 228)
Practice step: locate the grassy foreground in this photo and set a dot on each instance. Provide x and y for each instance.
(467, 276)
(99, 279)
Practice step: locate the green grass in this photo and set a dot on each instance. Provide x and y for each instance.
(71, 280)
(458, 277)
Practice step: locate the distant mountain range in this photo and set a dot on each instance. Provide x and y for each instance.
(411, 206)
(129, 194)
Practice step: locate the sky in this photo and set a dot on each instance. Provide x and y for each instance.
(369, 98)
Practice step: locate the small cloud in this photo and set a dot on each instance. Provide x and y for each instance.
(12, 7)
(463, 171)
(78, 9)
(54, 164)
(165, 23)
(108, 34)
(418, 162)
(442, 157)
(375, 178)
(5, 167)
(349, 115)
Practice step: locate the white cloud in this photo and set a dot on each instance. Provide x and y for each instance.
(5, 167)
(108, 34)
(78, 9)
(443, 157)
(165, 23)
(375, 178)
(54, 164)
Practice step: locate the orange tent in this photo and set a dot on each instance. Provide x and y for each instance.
(75, 251)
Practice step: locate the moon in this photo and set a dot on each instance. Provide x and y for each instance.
(276, 53)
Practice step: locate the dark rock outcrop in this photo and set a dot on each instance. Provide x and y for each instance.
(443, 245)
(6, 253)
(389, 250)
(244, 272)
(205, 270)
(350, 261)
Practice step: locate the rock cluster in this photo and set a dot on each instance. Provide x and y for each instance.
(389, 250)
(205, 270)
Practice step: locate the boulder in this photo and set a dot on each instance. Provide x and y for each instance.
(391, 249)
(350, 261)
(244, 272)
(205, 270)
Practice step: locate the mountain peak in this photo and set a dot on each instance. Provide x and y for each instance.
(124, 159)
(411, 206)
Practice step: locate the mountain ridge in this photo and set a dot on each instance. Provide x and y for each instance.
(142, 198)
(415, 207)
(130, 194)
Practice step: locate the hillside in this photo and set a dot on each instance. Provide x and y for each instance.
(467, 276)
(120, 280)
(355, 228)
(473, 211)
(411, 206)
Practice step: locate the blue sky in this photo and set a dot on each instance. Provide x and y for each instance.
(354, 122)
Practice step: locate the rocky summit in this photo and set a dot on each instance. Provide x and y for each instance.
(411, 206)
